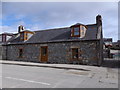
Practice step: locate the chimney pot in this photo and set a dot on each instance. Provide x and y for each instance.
(20, 28)
(98, 20)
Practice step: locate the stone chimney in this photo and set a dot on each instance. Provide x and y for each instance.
(20, 28)
(98, 20)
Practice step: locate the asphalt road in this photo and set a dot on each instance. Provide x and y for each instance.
(15, 76)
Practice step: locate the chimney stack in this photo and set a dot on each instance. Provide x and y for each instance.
(20, 28)
(98, 20)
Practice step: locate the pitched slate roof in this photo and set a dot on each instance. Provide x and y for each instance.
(51, 35)
(59, 34)
(77, 24)
(91, 32)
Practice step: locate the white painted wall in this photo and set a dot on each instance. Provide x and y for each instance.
(82, 31)
(29, 35)
(8, 37)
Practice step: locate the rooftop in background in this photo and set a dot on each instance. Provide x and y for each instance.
(107, 39)
(5, 33)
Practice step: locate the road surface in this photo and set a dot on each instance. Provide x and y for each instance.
(16, 76)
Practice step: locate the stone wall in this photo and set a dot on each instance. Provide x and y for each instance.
(58, 52)
(62, 52)
(30, 52)
(4, 52)
(0, 52)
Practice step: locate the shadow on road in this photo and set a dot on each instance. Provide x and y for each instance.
(111, 63)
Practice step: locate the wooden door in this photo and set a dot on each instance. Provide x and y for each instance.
(44, 54)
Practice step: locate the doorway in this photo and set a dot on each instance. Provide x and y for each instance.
(44, 54)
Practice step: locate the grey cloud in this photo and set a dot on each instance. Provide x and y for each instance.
(49, 15)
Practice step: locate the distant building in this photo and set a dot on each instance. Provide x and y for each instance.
(79, 43)
(4, 37)
(116, 45)
(111, 49)
(107, 44)
(115, 49)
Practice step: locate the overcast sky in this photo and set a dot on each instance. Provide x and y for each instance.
(46, 15)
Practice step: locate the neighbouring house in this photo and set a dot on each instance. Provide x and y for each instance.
(4, 37)
(116, 45)
(111, 49)
(107, 44)
(115, 49)
(77, 44)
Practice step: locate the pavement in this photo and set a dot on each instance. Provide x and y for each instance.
(106, 64)
(17, 74)
(60, 66)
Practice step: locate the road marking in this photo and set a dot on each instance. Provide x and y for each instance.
(27, 80)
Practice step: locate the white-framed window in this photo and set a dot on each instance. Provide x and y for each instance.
(76, 31)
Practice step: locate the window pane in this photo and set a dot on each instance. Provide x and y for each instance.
(44, 51)
(76, 31)
(75, 53)
(20, 52)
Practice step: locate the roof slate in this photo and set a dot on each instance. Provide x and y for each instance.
(60, 34)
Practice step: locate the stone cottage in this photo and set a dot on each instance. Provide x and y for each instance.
(78, 44)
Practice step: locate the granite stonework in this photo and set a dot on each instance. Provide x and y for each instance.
(61, 44)
(0, 52)
(58, 52)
